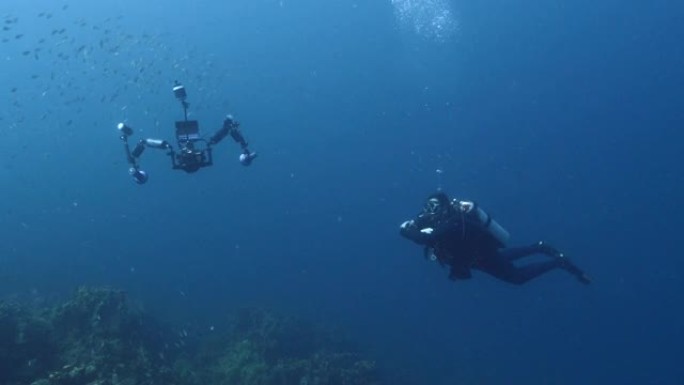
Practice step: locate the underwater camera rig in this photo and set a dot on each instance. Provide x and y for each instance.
(194, 152)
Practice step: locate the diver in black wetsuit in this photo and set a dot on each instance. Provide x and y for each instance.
(462, 236)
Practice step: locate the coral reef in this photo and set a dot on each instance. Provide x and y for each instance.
(99, 338)
(26, 347)
(102, 339)
(261, 348)
(95, 338)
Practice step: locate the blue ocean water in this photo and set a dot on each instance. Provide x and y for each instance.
(562, 119)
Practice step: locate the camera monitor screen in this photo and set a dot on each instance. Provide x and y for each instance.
(187, 130)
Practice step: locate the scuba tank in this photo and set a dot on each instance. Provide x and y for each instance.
(485, 221)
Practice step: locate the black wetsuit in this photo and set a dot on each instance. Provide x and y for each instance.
(460, 243)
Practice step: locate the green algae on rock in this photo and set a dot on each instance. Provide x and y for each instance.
(99, 338)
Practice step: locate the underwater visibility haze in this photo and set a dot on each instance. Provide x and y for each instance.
(562, 119)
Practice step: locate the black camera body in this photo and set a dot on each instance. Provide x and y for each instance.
(193, 151)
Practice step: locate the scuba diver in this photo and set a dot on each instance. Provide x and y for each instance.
(194, 152)
(462, 236)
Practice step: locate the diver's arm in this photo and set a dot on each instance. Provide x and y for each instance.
(410, 230)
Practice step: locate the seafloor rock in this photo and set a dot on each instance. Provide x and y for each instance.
(99, 338)
(95, 338)
(105, 340)
(261, 348)
(26, 348)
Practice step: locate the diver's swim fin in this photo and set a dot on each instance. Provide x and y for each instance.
(565, 263)
(583, 278)
(574, 270)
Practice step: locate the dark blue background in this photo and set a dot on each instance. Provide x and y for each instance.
(562, 119)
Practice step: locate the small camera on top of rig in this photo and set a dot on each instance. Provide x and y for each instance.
(179, 91)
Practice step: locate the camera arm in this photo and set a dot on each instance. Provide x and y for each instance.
(132, 156)
(232, 127)
(152, 143)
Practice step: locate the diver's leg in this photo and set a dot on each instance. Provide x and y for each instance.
(515, 253)
(502, 268)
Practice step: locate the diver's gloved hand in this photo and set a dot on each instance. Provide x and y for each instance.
(464, 206)
(247, 157)
(407, 224)
(410, 230)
